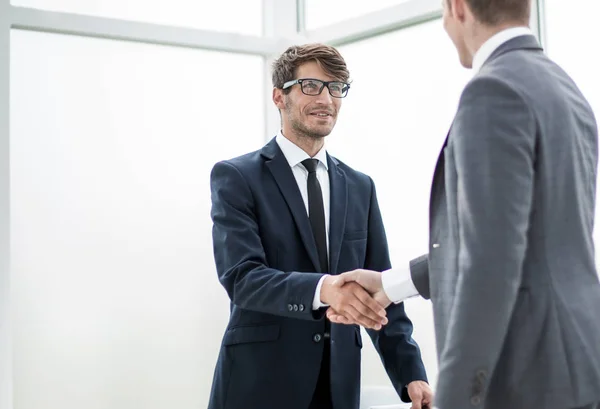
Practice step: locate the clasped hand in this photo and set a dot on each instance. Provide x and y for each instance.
(356, 297)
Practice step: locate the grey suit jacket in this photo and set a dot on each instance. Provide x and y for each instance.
(511, 270)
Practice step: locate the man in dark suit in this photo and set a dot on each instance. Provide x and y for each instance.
(511, 269)
(287, 218)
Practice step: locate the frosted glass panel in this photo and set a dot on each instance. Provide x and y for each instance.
(241, 16)
(392, 126)
(324, 12)
(572, 28)
(116, 302)
(572, 32)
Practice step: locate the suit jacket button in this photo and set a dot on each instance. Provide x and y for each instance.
(317, 337)
(301, 307)
(295, 307)
(475, 400)
(290, 307)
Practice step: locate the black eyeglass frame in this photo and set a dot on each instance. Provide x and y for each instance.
(324, 84)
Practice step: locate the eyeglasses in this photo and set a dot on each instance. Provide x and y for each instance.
(311, 86)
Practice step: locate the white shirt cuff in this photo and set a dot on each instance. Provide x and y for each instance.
(398, 285)
(317, 298)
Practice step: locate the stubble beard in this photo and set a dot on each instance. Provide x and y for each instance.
(303, 131)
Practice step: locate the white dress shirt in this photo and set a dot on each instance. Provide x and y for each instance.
(294, 156)
(397, 282)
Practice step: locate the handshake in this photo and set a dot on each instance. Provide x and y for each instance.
(356, 297)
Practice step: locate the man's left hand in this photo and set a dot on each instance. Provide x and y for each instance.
(420, 394)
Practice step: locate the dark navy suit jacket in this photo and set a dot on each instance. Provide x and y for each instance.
(267, 260)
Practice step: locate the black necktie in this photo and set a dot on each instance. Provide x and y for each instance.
(316, 212)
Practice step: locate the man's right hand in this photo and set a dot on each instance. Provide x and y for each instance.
(350, 300)
(367, 279)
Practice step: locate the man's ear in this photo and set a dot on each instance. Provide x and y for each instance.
(278, 98)
(458, 9)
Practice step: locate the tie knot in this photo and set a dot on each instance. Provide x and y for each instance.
(311, 164)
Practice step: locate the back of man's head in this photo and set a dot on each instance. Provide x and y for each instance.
(496, 12)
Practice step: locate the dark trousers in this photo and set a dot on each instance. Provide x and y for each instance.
(322, 396)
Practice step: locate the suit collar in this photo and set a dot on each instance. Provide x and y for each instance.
(272, 149)
(523, 42)
(495, 41)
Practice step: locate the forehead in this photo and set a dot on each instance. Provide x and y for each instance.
(312, 69)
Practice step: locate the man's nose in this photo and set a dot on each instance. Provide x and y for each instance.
(324, 97)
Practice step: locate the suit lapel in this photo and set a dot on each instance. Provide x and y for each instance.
(438, 182)
(337, 212)
(284, 177)
(438, 174)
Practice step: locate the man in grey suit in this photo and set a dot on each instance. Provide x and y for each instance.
(511, 269)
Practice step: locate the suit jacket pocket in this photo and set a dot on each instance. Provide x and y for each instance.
(245, 335)
(355, 235)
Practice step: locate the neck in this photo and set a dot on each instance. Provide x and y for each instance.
(308, 144)
(481, 33)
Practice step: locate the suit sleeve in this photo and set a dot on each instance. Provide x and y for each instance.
(400, 354)
(419, 273)
(493, 143)
(240, 257)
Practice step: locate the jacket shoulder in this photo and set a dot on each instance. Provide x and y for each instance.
(243, 163)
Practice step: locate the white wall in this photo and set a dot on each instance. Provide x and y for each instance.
(321, 13)
(115, 298)
(244, 17)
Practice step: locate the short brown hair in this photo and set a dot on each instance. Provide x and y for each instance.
(328, 58)
(493, 12)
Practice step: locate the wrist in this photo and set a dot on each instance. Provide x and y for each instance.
(324, 293)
